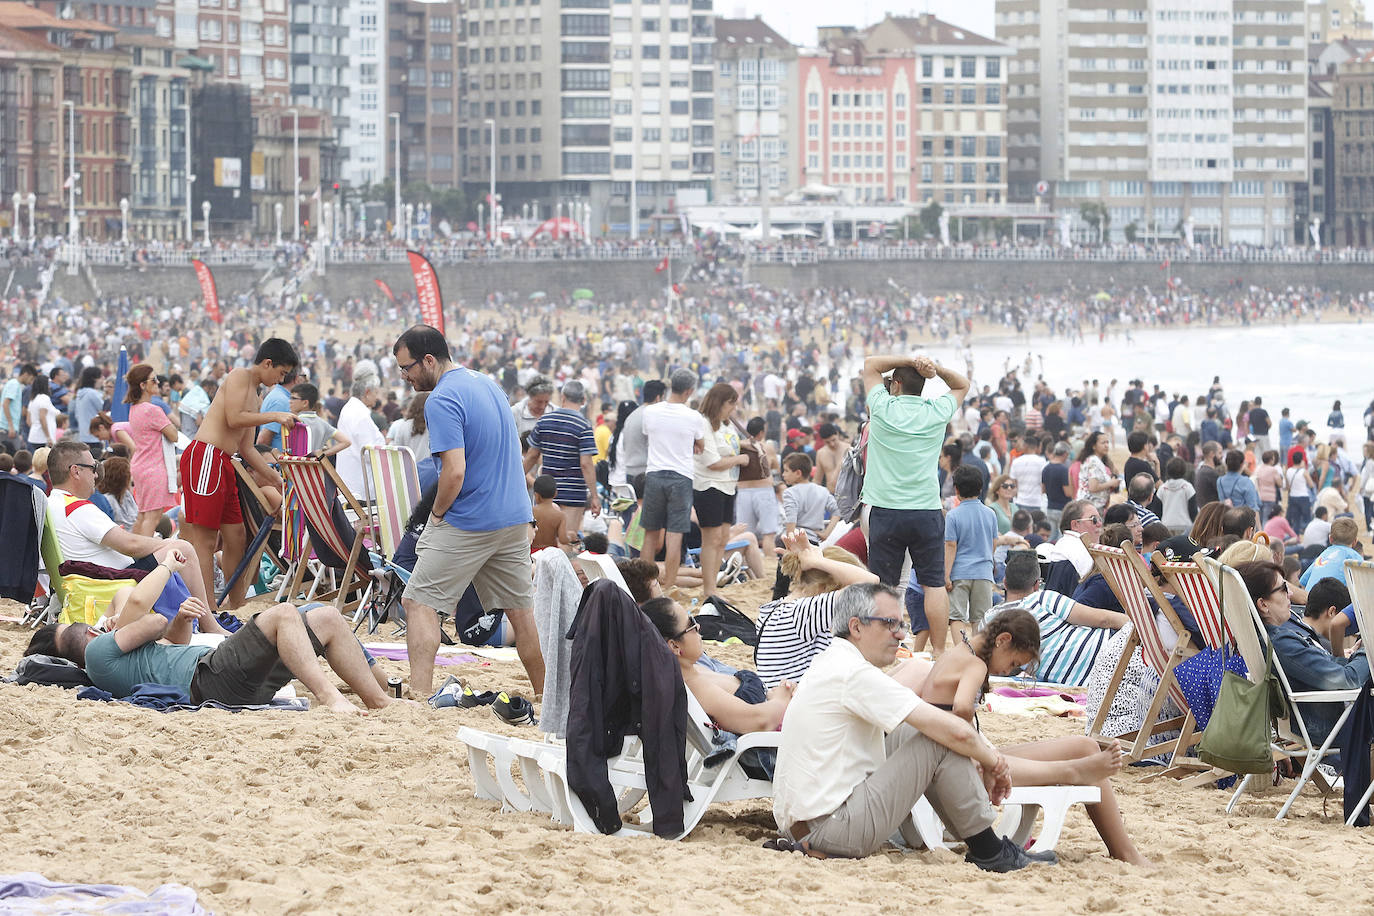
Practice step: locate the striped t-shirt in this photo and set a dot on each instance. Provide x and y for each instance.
(792, 631)
(563, 436)
(1067, 651)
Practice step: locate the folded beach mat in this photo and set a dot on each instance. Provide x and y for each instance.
(31, 893)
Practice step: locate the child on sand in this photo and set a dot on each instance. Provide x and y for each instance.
(1006, 643)
(548, 517)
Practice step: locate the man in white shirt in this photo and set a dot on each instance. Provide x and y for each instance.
(355, 422)
(87, 535)
(1026, 469)
(859, 749)
(675, 433)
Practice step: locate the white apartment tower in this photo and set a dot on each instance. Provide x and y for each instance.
(1180, 117)
(361, 123)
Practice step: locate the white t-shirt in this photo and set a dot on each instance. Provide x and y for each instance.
(1297, 482)
(832, 736)
(36, 431)
(355, 422)
(672, 430)
(80, 527)
(1025, 470)
(1317, 533)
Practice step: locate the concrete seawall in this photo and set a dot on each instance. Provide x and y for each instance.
(623, 280)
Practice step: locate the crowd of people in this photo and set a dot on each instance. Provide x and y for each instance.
(694, 450)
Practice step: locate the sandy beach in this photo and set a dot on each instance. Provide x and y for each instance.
(291, 813)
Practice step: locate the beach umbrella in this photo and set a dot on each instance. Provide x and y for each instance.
(119, 411)
(1102, 296)
(583, 294)
(539, 295)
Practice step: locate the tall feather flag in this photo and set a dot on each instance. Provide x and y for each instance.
(386, 290)
(207, 290)
(427, 291)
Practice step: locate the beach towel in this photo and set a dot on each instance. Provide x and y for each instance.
(31, 893)
(171, 699)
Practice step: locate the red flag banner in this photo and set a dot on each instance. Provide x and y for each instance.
(662, 265)
(386, 290)
(427, 291)
(207, 290)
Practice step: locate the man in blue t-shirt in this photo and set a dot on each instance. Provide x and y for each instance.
(562, 445)
(478, 531)
(1055, 479)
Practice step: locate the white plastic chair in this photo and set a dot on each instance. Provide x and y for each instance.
(1359, 577)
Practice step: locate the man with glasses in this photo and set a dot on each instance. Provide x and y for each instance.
(477, 531)
(859, 749)
(85, 534)
(1080, 526)
(1071, 634)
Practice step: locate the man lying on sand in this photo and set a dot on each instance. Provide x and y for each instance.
(247, 669)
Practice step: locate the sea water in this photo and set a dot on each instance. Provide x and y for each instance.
(1304, 367)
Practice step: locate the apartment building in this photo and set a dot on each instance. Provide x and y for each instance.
(756, 129)
(911, 109)
(1182, 118)
(359, 114)
(1352, 128)
(581, 106)
(1330, 20)
(157, 108)
(280, 134)
(425, 87)
(31, 162)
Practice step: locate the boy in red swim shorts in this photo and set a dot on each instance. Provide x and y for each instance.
(209, 488)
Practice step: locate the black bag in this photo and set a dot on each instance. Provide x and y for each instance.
(49, 671)
(720, 620)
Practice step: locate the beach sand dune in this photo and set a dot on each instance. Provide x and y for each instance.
(286, 813)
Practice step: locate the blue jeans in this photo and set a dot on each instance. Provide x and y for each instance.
(1299, 512)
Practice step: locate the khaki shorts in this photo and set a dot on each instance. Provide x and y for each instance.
(496, 563)
(969, 600)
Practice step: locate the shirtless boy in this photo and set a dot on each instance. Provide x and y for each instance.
(207, 477)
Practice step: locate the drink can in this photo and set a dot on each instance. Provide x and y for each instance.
(394, 685)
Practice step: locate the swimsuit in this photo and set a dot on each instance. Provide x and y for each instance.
(209, 486)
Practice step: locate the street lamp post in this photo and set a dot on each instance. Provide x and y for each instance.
(491, 193)
(124, 220)
(33, 202)
(15, 225)
(396, 168)
(190, 179)
(205, 211)
(295, 174)
(277, 208)
(481, 230)
(71, 176)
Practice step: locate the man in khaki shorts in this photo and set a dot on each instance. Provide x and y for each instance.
(478, 531)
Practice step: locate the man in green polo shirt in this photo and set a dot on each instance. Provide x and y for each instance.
(901, 484)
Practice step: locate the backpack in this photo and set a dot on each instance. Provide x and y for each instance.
(49, 671)
(849, 479)
(720, 620)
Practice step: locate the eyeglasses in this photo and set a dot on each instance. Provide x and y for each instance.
(90, 467)
(1282, 587)
(1008, 486)
(895, 624)
(694, 625)
(1094, 520)
(405, 370)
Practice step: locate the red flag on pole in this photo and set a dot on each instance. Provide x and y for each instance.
(427, 291)
(662, 265)
(207, 290)
(1165, 265)
(386, 290)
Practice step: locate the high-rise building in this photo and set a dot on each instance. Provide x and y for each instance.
(756, 131)
(158, 109)
(583, 105)
(242, 41)
(360, 115)
(31, 161)
(911, 109)
(1162, 118)
(425, 85)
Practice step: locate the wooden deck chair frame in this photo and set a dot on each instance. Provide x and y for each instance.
(391, 489)
(1292, 739)
(258, 543)
(1359, 577)
(1131, 583)
(308, 475)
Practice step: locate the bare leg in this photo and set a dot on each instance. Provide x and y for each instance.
(672, 556)
(920, 640)
(146, 523)
(653, 540)
(753, 554)
(285, 628)
(527, 646)
(1078, 759)
(937, 615)
(345, 655)
(572, 519)
(712, 549)
(202, 542)
(235, 538)
(422, 641)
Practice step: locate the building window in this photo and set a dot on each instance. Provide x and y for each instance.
(992, 67)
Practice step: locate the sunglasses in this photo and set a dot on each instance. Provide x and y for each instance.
(1283, 587)
(694, 625)
(895, 624)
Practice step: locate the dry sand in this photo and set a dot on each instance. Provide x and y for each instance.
(278, 813)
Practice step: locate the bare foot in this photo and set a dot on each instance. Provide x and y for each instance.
(1099, 766)
(343, 706)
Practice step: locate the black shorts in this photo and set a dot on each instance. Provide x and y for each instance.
(245, 669)
(714, 508)
(893, 534)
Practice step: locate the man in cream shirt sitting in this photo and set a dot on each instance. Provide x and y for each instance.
(859, 749)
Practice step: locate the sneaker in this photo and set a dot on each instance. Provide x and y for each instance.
(448, 695)
(513, 710)
(1011, 857)
(468, 700)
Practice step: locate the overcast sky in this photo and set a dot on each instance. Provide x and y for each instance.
(797, 20)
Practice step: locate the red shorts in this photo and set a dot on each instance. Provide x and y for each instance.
(209, 487)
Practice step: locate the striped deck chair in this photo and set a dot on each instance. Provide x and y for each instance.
(1133, 585)
(264, 526)
(337, 544)
(391, 487)
(295, 537)
(1359, 575)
